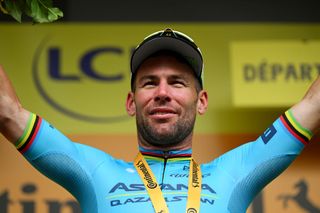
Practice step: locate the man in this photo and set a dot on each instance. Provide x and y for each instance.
(166, 94)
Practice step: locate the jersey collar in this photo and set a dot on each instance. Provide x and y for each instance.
(171, 155)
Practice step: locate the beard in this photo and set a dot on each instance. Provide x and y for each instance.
(177, 133)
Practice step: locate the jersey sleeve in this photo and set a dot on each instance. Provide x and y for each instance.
(69, 164)
(255, 164)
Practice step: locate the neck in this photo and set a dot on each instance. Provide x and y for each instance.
(183, 145)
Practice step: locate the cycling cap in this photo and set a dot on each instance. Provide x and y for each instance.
(168, 40)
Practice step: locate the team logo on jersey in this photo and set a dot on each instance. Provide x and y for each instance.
(268, 134)
(125, 194)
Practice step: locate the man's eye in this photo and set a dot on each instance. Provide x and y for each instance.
(148, 83)
(178, 83)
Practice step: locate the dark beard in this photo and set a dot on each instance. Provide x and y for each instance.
(179, 132)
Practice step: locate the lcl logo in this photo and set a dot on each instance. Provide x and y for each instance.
(80, 93)
(54, 56)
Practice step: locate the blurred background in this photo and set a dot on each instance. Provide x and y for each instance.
(260, 57)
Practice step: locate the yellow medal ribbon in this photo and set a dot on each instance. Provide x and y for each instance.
(155, 193)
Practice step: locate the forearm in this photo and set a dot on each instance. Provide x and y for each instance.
(12, 126)
(13, 117)
(307, 111)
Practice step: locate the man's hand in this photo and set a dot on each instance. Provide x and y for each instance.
(13, 117)
(307, 111)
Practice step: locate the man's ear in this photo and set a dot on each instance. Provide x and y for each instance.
(130, 105)
(202, 102)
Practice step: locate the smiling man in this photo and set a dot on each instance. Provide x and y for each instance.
(166, 96)
(165, 99)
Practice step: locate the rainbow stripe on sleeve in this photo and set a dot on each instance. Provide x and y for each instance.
(29, 134)
(302, 134)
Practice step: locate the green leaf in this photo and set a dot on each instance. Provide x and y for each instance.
(41, 11)
(14, 8)
(57, 11)
(54, 14)
(35, 8)
(38, 12)
(52, 17)
(27, 8)
(47, 3)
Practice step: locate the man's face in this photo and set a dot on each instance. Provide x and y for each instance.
(165, 101)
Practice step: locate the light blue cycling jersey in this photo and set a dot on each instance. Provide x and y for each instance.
(103, 184)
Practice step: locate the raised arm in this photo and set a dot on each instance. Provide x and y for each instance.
(13, 117)
(307, 111)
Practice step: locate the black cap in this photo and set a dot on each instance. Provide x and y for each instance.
(168, 40)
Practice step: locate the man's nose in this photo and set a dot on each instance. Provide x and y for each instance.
(163, 93)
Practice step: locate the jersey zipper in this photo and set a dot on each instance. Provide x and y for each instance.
(165, 157)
